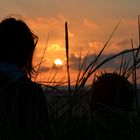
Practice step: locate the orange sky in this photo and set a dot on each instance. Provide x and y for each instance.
(86, 35)
(90, 24)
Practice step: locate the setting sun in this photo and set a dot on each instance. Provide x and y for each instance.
(58, 62)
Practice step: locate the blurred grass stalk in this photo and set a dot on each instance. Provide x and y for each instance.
(134, 72)
(41, 60)
(86, 70)
(93, 66)
(134, 76)
(67, 56)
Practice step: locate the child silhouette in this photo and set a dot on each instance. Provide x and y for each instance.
(112, 91)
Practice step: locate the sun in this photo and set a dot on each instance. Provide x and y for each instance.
(58, 62)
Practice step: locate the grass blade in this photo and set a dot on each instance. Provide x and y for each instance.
(67, 56)
(39, 65)
(89, 69)
(134, 76)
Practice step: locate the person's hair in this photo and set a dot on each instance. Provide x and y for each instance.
(114, 91)
(17, 44)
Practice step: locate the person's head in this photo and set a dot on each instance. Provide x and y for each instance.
(17, 44)
(110, 91)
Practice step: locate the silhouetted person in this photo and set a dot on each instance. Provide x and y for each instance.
(112, 92)
(23, 108)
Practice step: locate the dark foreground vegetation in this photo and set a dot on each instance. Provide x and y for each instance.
(108, 109)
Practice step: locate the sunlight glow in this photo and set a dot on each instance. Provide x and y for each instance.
(58, 62)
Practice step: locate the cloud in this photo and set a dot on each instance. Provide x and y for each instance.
(55, 47)
(130, 21)
(58, 68)
(45, 25)
(113, 64)
(53, 21)
(124, 42)
(44, 69)
(78, 39)
(54, 69)
(90, 24)
(95, 46)
(74, 61)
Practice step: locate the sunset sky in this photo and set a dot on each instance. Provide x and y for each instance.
(90, 23)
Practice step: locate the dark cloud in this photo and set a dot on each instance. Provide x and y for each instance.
(124, 42)
(74, 61)
(44, 69)
(112, 64)
(115, 63)
(57, 68)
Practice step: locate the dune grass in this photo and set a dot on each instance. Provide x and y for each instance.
(70, 114)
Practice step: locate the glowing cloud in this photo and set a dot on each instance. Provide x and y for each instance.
(90, 24)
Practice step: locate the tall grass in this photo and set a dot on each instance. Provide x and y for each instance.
(42, 58)
(67, 56)
(72, 118)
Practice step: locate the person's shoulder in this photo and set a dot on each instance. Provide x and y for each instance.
(26, 83)
(4, 79)
(30, 91)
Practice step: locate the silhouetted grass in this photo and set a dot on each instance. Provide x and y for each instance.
(70, 114)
